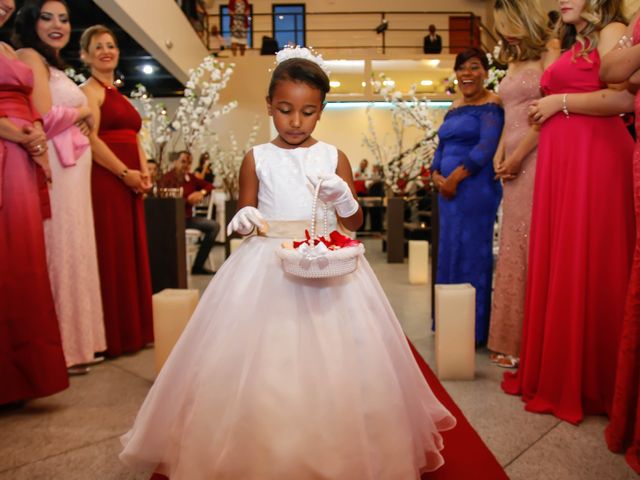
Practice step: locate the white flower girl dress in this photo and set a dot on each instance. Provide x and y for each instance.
(282, 378)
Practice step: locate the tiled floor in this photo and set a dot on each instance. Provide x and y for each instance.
(74, 435)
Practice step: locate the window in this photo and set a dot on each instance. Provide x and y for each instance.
(289, 24)
(225, 29)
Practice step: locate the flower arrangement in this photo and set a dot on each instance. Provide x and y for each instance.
(156, 130)
(403, 167)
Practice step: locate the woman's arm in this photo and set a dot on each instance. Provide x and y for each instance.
(144, 167)
(600, 103)
(354, 222)
(622, 61)
(40, 94)
(248, 196)
(102, 154)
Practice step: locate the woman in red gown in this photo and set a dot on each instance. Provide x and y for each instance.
(623, 432)
(31, 359)
(582, 228)
(119, 176)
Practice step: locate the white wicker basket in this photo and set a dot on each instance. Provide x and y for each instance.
(332, 263)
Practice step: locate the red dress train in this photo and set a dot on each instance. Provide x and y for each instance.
(31, 360)
(623, 432)
(121, 236)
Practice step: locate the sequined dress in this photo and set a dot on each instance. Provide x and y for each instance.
(507, 312)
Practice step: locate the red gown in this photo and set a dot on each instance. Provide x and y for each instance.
(581, 242)
(31, 359)
(121, 237)
(623, 433)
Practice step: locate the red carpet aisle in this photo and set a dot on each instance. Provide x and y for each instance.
(465, 454)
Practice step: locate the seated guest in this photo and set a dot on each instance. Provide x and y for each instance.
(360, 178)
(193, 191)
(432, 42)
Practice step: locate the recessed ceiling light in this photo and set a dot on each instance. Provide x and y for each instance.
(334, 83)
(148, 69)
(433, 63)
(426, 83)
(364, 84)
(389, 83)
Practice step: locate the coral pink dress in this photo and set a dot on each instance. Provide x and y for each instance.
(278, 377)
(31, 359)
(69, 234)
(121, 234)
(623, 433)
(582, 233)
(507, 312)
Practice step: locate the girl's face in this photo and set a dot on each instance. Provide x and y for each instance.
(471, 76)
(6, 10)
(570, 11)
(296, 108)
(53, 26)
(103, 53)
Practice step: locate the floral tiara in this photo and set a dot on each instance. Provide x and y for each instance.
(296, 51)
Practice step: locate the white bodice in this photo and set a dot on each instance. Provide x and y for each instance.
(64, 91)
(284, 192)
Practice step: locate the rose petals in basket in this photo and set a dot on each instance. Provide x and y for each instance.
(319, 261)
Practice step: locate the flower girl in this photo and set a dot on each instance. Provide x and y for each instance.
(278, 377)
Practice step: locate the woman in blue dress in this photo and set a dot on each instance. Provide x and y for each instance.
(464, 175)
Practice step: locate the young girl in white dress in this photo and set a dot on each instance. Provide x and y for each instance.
(282, 378)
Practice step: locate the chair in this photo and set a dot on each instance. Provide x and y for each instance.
(194, 236)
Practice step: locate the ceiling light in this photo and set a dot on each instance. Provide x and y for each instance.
(364, 84)
(426, 83)
(148, 69)
(389, 83)
(432, 63)
(334, 84)
(280, 17)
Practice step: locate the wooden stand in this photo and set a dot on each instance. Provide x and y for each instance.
(166, 242)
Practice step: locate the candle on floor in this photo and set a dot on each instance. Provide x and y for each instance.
(235, 243)
(455, 331)
(172, 309)
(418, 262)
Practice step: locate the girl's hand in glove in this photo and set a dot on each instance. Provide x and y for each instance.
(335, 190)
(246, 220)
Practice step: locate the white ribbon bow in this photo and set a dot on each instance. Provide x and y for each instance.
(317, 254)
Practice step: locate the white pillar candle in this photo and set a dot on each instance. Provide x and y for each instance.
(172, 309)
(418, 262)
(235, 243)
(455, 331)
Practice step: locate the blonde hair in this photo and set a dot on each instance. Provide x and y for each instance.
(598, 14)
(89, 33)
(524, 20)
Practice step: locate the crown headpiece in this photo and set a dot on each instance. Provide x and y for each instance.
(296, 51)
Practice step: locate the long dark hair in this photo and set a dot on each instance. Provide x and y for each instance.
(25, 35)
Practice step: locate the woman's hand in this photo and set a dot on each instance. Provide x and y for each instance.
(449, 188)
(43, 161)
(133, 180)
(34, 140)
(544, 108)
(438, 180)
(147, 184)
(509, 169)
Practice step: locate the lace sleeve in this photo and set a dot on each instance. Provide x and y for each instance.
(491, 123)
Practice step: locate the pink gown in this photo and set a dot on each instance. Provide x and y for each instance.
(31, 359)
(582, 233)
(507, 311)
(69, 234)
(623, 433)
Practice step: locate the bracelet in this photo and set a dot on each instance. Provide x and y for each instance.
(124, 173)
(565, 110)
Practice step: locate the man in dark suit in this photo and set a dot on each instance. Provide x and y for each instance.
(432, 42)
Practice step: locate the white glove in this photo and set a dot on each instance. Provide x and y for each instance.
(336, 191)
(245, 221)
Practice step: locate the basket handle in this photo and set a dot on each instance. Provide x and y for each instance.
(314, 208)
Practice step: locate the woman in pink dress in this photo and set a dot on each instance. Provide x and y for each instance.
(582, 226)
(31, 359)
(119, 175)
(623, 432)
(42, 28)
(527, 49)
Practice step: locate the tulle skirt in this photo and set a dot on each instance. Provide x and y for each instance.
(279, 378)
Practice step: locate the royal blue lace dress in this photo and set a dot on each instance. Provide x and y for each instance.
(469, 137)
